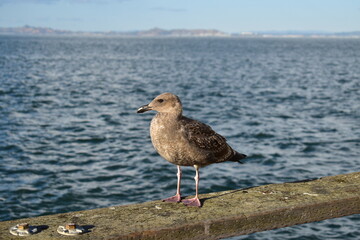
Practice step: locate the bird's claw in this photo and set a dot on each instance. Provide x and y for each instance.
(193, 202)
(176, 198)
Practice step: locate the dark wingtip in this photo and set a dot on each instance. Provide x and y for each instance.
(238, 157)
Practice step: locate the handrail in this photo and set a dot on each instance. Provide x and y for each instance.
(224, 214)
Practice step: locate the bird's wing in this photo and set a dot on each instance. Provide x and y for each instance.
(203, 137)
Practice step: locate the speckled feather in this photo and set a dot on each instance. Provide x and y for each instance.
(203, 137)
(184, 141)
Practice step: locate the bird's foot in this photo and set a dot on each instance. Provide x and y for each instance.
(176, 198)
(194, 202)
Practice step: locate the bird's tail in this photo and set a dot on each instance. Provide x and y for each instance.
(237, 157)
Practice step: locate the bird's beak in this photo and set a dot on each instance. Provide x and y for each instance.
(144, 108)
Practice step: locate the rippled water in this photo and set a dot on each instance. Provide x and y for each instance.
(70, 138)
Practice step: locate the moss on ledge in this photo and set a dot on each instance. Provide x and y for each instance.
(223, 214)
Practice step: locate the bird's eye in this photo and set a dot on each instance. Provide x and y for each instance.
(160, 100)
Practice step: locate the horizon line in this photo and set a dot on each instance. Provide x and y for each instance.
(188, 29)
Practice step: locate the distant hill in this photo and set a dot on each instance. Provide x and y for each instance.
(28, 30)
(158, 32)
(155, 32)
(292, 33)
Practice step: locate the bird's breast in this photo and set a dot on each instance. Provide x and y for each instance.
(171, 142)
(165, 138)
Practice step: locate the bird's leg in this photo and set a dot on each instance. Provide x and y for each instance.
(195, 202)
(177, 197)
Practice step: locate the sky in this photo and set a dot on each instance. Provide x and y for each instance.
(231, 16)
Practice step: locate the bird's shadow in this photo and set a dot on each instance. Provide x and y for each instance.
(203, 200)
(244, 190)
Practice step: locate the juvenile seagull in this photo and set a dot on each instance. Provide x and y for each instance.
(185, 142)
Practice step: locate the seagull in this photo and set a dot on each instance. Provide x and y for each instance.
(185, 142)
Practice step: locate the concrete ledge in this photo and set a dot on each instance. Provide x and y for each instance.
(223, 214)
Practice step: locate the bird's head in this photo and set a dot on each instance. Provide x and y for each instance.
(164, 103)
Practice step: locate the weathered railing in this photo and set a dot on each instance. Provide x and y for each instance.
(223, 214)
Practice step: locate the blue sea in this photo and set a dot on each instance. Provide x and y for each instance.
(70, 138)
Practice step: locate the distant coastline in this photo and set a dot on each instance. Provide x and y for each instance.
(158, 32)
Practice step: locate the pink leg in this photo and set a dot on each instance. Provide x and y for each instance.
(177, 197)
(195, 202)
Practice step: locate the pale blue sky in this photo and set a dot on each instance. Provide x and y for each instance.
(226, 15)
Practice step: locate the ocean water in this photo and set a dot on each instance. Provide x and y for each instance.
(70, 138)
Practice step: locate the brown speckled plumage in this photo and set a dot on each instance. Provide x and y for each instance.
(184, 141)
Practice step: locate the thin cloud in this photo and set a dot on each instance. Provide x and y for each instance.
(3, 2)
(162, 9)
(70, 19)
